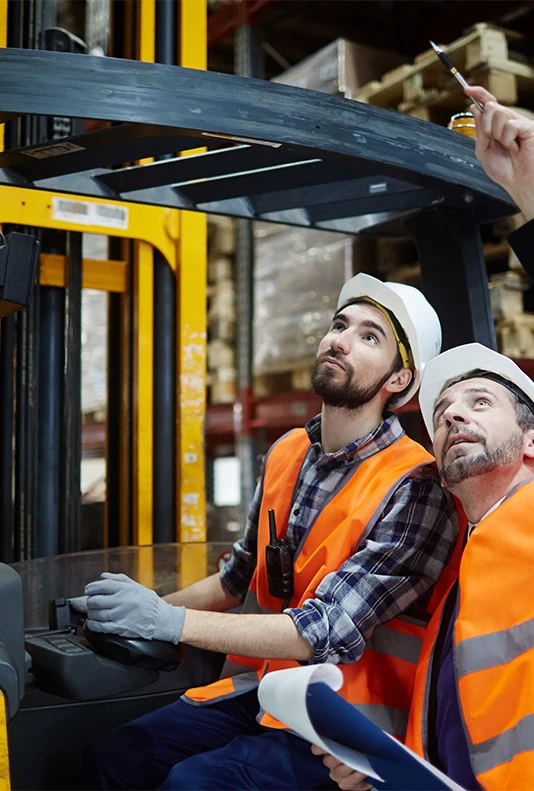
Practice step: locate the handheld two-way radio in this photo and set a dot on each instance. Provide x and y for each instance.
(279, 563)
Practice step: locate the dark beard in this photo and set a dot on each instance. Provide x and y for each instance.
(486, 461)
(344, 394)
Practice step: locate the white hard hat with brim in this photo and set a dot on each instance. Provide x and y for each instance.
(455, 363)
(413, 312)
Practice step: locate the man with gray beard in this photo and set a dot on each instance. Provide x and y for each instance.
(476, 675)
(473, 708)
(363, 531)
(470, 452)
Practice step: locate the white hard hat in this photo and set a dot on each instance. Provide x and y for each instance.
(457, 362)
(413, 312)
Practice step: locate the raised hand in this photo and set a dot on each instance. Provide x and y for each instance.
(505, 148)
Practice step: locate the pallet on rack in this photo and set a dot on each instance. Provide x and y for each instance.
(285, 380)
(515, 336)
(483, 55)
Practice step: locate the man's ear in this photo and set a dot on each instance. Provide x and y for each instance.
(528, 447)
(399, 381)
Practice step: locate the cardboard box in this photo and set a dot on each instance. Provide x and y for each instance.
(341, 68)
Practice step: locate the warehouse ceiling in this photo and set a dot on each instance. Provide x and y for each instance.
(292, 30)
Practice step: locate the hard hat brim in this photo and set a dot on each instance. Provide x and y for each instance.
(457, 362)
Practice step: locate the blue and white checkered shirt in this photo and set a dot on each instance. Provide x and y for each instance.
(399, 561)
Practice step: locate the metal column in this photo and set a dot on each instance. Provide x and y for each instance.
(454, 275)
(58, 497)
(164, 417)
(26, 399)
(248, 63)
(191, 277)
(49, 428)
(71, 434)
(11, 22)
(7, 348)
(26, 29)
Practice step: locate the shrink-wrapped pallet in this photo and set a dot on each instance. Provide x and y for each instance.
(298, 275)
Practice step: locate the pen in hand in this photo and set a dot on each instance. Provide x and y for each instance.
(451, 68)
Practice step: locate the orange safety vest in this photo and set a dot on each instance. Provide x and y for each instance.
(381, 682)
(493, 649)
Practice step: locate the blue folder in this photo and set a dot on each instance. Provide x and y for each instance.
(336, 719)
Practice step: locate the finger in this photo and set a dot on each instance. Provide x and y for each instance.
(477, 92)
(104, 602)
(351, 785)
(109, 575)
(331, 762)
(79, 603)
(102, 613)
(486, 122)
(351, 781)
(106, 587)
(316, 750)
(102, 616)
(476, 112)
(500, 119)
(102, 627)
(343, 771)
(509, 137)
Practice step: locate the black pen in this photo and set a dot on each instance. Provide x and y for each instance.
(451, 68)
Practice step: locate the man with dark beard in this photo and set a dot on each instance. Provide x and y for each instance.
(473, 705)
(363, 531)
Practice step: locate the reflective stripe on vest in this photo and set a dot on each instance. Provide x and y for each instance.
(493, 649)
(383, 678)
(489, 650)
(502, 749)
(396, 644)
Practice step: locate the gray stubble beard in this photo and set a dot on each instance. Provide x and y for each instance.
(465, 467)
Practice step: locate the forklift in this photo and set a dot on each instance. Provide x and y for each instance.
(203, 143)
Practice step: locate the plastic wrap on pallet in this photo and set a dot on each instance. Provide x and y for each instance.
(297, 279)
(94, 350)
(94, 333)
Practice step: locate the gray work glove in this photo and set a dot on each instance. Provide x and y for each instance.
(119, 605)
(79, 603)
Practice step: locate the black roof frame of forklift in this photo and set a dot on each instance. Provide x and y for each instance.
(274, 153)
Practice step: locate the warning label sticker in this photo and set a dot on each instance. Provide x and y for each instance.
(53, 150)
(90, 213)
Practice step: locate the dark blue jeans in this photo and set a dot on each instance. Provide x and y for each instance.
(221, 746)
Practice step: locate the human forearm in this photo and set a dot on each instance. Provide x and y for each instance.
(206, 594)
(267, 636)
(525, 201)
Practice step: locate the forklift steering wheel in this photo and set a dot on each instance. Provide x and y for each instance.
(150, 654)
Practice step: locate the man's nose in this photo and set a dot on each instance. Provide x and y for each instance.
(455, 413)
(341, 342)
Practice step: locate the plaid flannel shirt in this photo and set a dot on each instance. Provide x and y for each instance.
(399, 561)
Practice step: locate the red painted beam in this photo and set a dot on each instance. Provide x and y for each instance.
(227, 19)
